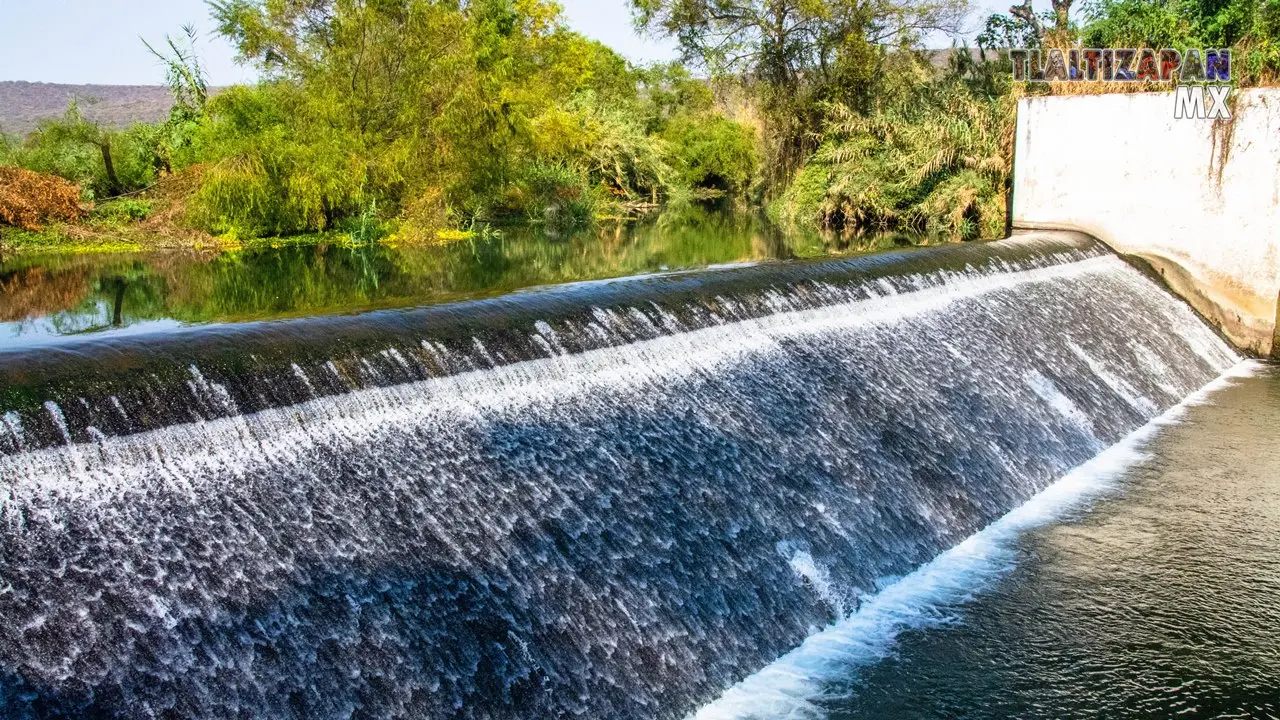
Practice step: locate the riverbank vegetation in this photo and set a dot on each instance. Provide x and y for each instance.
(416, 120)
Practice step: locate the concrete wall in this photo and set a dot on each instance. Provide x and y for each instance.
(1198, 200)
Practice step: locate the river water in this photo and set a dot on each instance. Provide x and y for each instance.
(753, 490)
(1161, 599)
(46, 297)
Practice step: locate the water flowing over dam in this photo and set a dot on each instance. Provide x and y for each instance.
(610, 499)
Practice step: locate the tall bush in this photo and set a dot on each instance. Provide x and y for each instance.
(933, 158)
(104, 162)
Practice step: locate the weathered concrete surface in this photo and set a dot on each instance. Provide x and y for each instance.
(1198, 200)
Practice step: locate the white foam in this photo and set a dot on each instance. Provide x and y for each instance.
(302, 375)
(818, 577)
(793, 685)
(1044, 388)
(1117, 384)
(59, 420)
(230, 447)
(14, 424)
(123, 464)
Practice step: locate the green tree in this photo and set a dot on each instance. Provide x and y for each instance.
(439, 101)
(189, 83)
(712, 152)
(933, 157)
(801, 53)
(75, 129)
(1250, 27)
(428, 112)
(786, 42)
(105, 162)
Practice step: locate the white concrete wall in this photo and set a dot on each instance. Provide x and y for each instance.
(1200, 201)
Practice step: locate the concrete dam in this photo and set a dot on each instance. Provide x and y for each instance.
(1197, 200)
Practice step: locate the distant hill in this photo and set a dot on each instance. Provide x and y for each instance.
(23, 103)
(940, 58)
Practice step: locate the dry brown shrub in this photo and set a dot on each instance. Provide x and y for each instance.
(170, 197)
(29, 199)
(1086, 87)
(178, 186)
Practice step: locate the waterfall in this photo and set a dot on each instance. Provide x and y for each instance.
(605, 500)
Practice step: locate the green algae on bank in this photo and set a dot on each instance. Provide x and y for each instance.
(50, 241)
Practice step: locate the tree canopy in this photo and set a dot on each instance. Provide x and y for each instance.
(396, 117)
(788, 42)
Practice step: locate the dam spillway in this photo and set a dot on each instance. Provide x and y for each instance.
(605, 500)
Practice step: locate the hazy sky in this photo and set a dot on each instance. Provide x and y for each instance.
(97, 41)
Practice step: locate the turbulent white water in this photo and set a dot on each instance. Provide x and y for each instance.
(619, 512)
(793, 686)
(538, 385)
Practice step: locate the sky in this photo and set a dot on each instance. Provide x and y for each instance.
(98, 41)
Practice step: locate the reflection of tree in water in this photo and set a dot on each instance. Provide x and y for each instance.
(770, 242)
(293, 280)
(850, 241)
(117, 314)
(119, 296)
(374, 260)
(87, 293)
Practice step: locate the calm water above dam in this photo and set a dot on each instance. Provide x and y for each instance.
(47, 297)
(728, 492)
